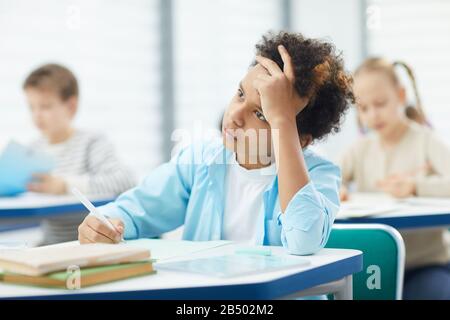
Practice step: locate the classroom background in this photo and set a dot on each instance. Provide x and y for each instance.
(153, 72)
(157, 74)
(149, 67)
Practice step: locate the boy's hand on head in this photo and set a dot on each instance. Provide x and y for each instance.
(279, 99)
(92, 230)
(46, 183)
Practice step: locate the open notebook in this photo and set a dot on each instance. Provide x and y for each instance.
(42, 260)
(376, 204)
(359, 210)
(367, 204)
(164, 249)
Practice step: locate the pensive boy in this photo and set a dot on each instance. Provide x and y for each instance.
(260, 184)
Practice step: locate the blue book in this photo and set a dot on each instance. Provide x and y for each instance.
(17, 166)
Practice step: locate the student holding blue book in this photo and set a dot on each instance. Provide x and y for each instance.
(82, 159)
(260, 184)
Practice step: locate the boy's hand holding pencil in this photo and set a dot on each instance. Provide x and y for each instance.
(92, 230)
(96, 227)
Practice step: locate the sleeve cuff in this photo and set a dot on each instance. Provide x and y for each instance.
(302, 211)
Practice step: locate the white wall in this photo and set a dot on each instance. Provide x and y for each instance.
(214, 44)
(113, 49)
(418, 33)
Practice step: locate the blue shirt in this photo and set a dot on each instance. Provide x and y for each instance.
(189, 191)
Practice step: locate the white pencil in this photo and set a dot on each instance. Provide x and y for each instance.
(92, 210)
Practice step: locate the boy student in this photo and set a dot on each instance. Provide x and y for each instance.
(260, 184)
(83, 160)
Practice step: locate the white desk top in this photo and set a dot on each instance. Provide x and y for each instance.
(380, 205)
(409, 213)
(165, 279)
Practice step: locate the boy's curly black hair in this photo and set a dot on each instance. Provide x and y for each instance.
(319, 75)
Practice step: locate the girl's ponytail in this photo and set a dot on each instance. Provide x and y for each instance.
(416, 112)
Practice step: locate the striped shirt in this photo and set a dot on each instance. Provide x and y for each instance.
(88, 162)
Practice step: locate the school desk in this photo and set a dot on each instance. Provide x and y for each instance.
(411, 213)
(329, 271)
(28, 209)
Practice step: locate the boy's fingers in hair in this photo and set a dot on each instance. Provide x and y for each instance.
(270, 65)
(264, 77)
(288, 67)
(99, 227)
(259, 84)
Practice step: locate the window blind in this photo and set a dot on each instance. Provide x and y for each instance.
(111, 46)
(213, 47)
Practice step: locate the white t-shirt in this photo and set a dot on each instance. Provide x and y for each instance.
(244, 191)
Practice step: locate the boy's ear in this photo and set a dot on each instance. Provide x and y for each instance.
(72, 104)
(305, 140)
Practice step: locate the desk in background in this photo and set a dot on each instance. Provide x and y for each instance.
(29, 209)
(411, 213)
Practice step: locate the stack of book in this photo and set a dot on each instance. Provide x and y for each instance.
(73, 266)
